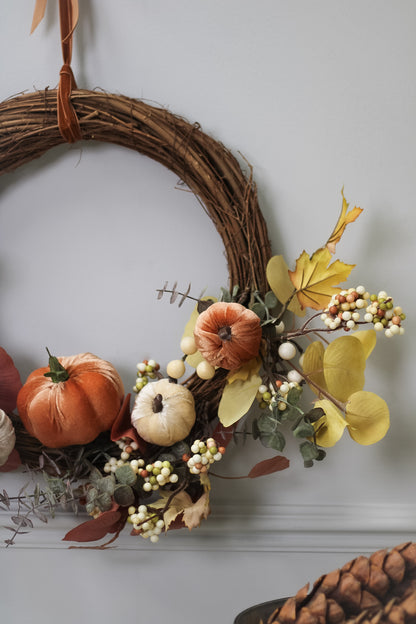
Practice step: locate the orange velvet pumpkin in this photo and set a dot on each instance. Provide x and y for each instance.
(228, 335)
(72, 401)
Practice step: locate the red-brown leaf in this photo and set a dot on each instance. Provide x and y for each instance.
(12, 463)
(268, 466)
(96, 529)
(122, 427)
(10, 383)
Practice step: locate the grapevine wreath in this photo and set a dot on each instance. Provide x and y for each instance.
(145, 458)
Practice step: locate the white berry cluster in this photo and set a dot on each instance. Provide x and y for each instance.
(155, 475)
(145, 370)
(344, 308)
(145, 523)
(385, 315)
(277, 393)
(204, 454)
(126, 447)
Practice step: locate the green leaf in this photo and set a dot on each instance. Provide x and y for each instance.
(104, 501)
(106, 484)
(293, 396)
(226, 295)
(126, 475)
(266, 423)
(303, 430)
(275, 440)
(309, 451)
(259, 309)
(270, 300)
(124, 495)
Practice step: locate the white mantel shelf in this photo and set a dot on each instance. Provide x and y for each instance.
(272, 528)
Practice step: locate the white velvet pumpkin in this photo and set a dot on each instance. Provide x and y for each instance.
(163, 413)
(7, 437)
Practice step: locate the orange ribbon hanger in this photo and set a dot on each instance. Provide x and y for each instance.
(68, 15)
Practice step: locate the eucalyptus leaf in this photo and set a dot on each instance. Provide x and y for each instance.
(124, 495)
(226, 295)
(106, 484)
(104, 501)
(270, 300)
(259, 309)
(275, 440)
(126, 475)
(303, 430)
(309, 450)
(266, 423)
(294, 395)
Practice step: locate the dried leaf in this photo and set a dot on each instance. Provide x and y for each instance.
(268, 466)
(92, 530)
(316, 280)
(344, 219)
(196, 512)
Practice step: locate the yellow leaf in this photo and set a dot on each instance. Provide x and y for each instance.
(344, 365)
(277, 274)
(368, 339)
(330, 427)
(313, 366)
(316, 280)
(368, 417)
(194, 513)
(237, 398)
(344, 219)
(245, 371)
(194, 359)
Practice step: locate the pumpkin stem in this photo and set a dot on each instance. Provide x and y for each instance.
(57, 372)
(157, 404)
(225, 333)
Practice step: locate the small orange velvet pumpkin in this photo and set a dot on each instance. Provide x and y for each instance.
(228, 335)
(72, 401)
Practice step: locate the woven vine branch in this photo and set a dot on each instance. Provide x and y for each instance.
(29, 128)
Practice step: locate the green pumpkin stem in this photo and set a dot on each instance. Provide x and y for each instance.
(57, 372)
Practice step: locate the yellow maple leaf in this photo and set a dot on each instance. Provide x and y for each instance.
(316, 280)
(344, 219)
(277, 273)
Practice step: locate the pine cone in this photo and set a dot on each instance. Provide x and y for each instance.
(380, 589)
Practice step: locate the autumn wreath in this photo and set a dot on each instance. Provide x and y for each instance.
(147, 462)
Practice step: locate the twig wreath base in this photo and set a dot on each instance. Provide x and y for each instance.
(29, 128)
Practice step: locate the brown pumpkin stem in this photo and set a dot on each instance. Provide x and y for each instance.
(157, 404)
(57, 372)
(225, 333)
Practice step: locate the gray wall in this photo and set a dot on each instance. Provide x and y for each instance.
(316, 96)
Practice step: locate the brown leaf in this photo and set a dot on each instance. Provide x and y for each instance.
(12, 463)
(268, 466)
(96, 529)
(122, 427)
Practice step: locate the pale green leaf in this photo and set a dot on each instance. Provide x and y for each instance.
(368, 417)
(344, 365)
(330, 427)
(237, 398)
